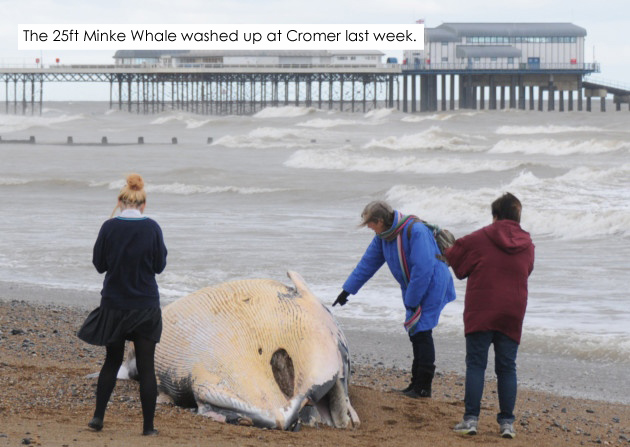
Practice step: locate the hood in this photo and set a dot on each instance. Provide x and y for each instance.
(508, 236)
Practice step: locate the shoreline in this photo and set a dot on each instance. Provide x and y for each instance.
(389, 347)
(48, 399)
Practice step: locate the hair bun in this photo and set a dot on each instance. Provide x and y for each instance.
(135, 182)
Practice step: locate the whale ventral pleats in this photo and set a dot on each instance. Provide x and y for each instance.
(283, 372)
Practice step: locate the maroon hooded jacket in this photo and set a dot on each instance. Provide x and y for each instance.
(497, 260)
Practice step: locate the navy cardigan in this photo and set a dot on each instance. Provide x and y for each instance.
(130, 251)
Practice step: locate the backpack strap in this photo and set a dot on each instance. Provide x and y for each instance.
(415, 219)
(434, 230)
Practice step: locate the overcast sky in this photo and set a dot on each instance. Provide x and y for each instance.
(607, 22)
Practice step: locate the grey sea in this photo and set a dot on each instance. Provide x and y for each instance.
(254, 196)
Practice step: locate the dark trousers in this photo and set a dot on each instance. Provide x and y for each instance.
(505, 350)
(423, 367)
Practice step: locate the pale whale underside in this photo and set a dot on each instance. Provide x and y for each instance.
(255, 352)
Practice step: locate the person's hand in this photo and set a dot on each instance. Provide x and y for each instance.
(341, 299)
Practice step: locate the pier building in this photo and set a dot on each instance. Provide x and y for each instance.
(221, 58)
(499, 62)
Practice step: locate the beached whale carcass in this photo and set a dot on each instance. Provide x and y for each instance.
(255, 352)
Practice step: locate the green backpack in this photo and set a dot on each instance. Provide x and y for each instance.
(443, 237)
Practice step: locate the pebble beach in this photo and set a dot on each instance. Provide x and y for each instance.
(48, 398)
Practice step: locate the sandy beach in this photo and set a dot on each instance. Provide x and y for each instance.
(47, 399)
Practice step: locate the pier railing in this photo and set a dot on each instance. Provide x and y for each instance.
(197, 68)
(608, 83)
(500, 66)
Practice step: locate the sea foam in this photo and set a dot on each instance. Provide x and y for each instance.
(17, 123)
(433, 138)
(266, 137)
(563, 207)
(346, 159)
(284, 112)
(558, 148)
(551, 129)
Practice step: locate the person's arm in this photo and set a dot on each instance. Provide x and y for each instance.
(160, 252)
(531, 264)
(99, 258)
(461, 258)
(369, 264)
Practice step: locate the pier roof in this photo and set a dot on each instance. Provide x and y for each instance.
(457, 30)
(146, 54)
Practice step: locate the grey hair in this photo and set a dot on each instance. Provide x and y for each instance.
(377, 210)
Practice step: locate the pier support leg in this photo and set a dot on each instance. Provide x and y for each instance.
(413, 93)
(341, 95)
(493, 93)
(405, 81)
(513, 92)
(551, 105)
(434, 92)
(452, 97)
(443, 92)
(425, 93)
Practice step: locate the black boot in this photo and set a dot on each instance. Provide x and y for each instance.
(412, 384)
(422, 387)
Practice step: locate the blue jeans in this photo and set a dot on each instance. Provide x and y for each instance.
(505, 350)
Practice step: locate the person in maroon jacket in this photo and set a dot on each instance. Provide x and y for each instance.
(497, 260)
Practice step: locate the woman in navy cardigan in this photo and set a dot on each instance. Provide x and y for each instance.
(130, 251)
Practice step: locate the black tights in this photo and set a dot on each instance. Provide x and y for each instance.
(145, 353)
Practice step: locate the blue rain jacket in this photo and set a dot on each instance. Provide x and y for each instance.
(430, 281)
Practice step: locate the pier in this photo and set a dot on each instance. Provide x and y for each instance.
(246, 89)
(211, 89)
(562, 88)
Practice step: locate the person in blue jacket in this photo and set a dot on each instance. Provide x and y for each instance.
(413, 257)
